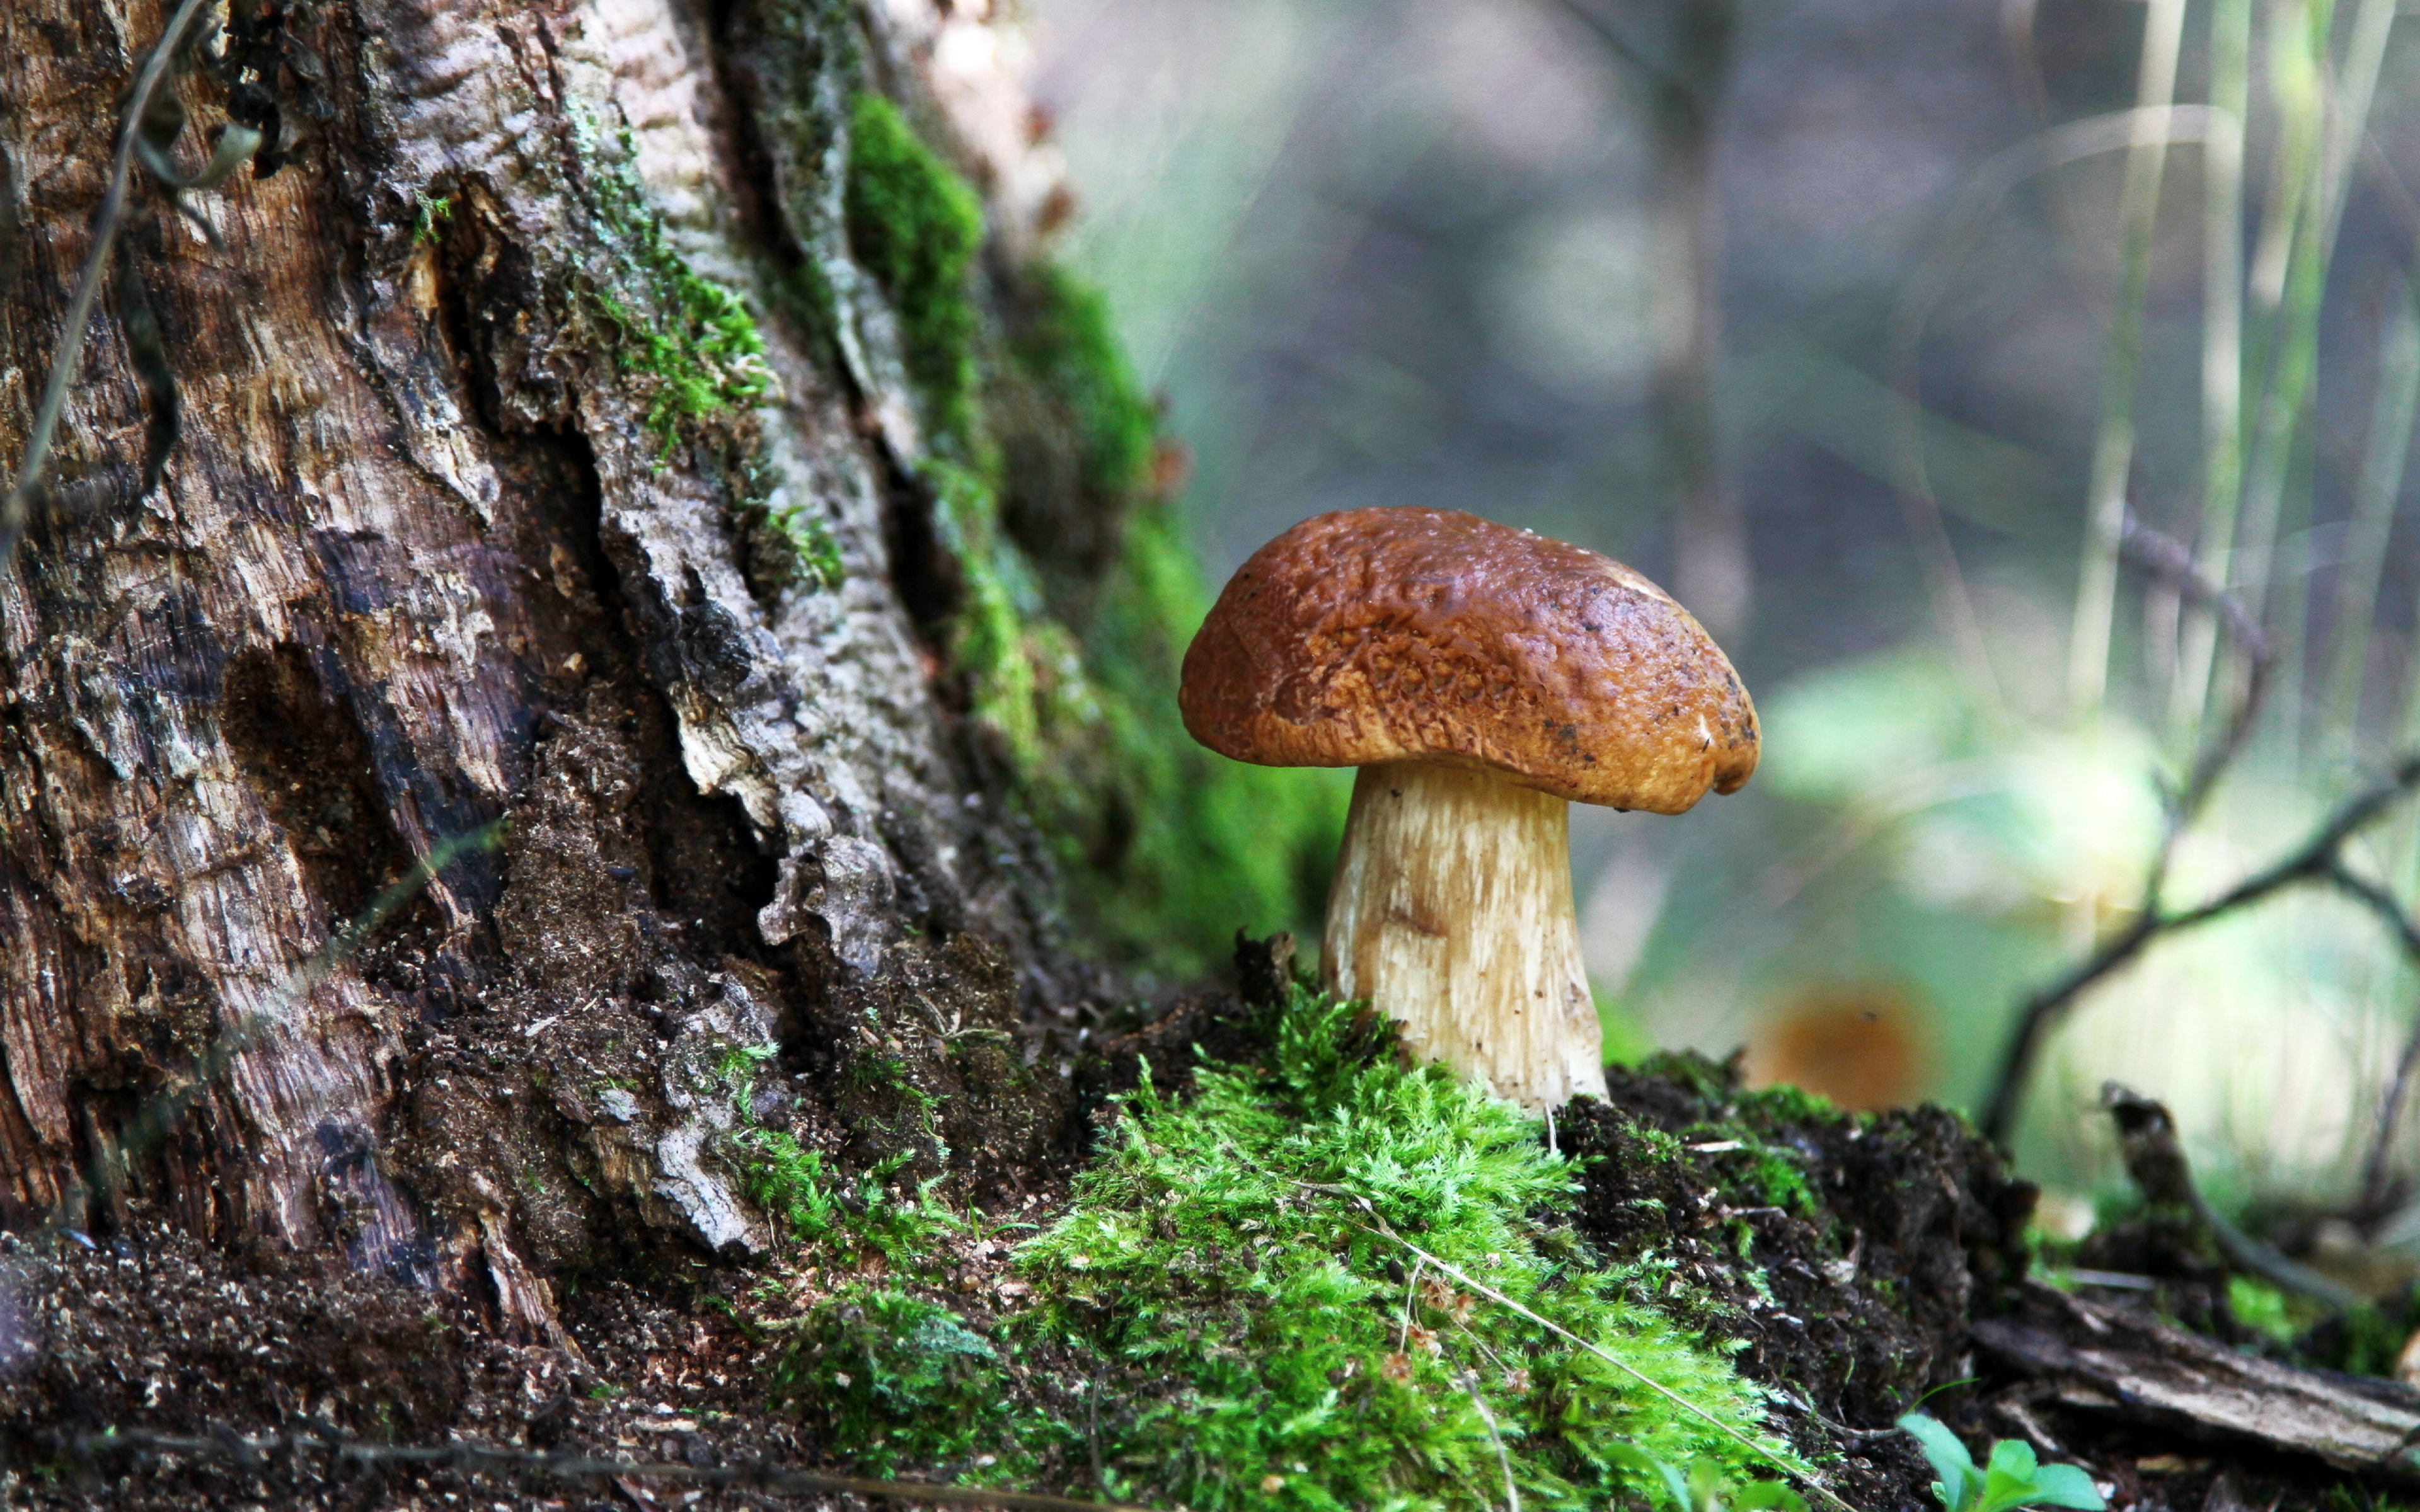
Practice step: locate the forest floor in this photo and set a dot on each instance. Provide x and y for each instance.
(1840, 1262)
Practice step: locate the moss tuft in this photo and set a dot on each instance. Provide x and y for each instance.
(898, 1379)
(1238, 1244)
(688, 341)
(1043, 449)
(915, 225)
(430, 217)
(1228, 1314)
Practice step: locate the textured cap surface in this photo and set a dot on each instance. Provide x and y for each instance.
(1385, 635)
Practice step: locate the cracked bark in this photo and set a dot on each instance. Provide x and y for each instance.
(419, 565)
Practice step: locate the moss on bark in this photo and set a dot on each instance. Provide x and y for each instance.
(1042, 448)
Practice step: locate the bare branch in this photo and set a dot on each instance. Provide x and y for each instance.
(2166, 561)
(2318, 859)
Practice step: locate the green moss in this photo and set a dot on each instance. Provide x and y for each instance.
(993, 641)
(1167, 848)
(897, 1380)
(1244, 1306)
(689, 344)
(428, 223)
(915, 225)
(1066, 346)
(810, 536)
(1239, 1244)
(1209, 843)
(1071, 678)
(2262, 1308)
(865, 1219)
(1071, 682)
(1788, 1105)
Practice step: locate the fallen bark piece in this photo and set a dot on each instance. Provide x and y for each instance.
(2104, 1359)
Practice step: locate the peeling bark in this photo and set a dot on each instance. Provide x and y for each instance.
(428, 558)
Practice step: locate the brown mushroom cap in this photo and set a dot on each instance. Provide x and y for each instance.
(1386, 635)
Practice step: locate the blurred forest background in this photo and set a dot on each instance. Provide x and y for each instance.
(1863, 325)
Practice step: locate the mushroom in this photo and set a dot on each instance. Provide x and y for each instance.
(1483, 678)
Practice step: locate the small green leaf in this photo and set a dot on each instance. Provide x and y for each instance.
(2018, 1479)
(2012, 1465)
(1768, 1496)
(2064, 1486)
(1960, 1483)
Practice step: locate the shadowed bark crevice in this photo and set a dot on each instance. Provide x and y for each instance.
(314, 774)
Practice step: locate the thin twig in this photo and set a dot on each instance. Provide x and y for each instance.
(2389, 911)
(106, 225)
(2169, 563)
(1504, 1460)
(2374, 1179)
(471, 1456)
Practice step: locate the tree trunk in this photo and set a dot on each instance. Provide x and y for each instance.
(594, 423)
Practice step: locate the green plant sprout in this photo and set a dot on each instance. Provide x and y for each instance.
(2013, 1478)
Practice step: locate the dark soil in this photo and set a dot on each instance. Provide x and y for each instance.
(1844, 1254)
(1851, 1295)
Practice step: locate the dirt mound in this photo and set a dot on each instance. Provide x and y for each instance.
(1844, 1254)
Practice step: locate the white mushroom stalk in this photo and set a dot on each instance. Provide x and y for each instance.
(1452, 913)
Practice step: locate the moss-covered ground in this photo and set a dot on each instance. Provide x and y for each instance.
(1319, 1279)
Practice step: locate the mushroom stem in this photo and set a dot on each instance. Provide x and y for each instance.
(1451, 913)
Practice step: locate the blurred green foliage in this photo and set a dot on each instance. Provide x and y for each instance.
(915, 225)
(1166, 848)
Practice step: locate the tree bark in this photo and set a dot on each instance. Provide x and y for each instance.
(447, 542)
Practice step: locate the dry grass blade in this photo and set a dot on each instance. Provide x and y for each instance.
(1383, 1229)
(26, 487)
(2113, 451)
(1962, 231)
